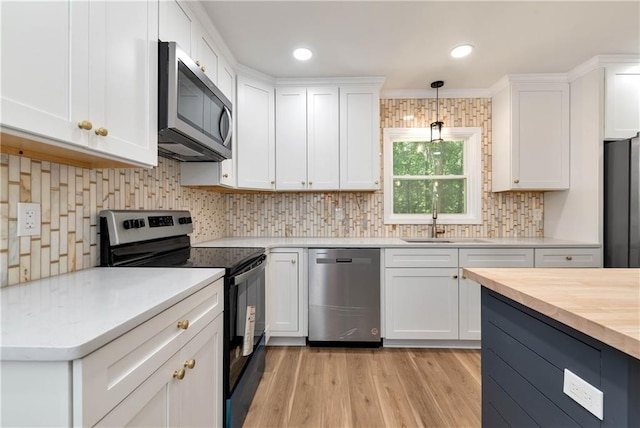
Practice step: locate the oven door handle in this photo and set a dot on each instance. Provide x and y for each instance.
(253, 272)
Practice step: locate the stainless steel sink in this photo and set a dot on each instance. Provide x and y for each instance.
(443, 240)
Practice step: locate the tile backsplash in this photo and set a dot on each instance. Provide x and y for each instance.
(71, 198)
(312, 214)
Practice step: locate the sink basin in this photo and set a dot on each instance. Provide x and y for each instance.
(443, 240)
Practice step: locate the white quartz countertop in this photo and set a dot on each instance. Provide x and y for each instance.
(312, 242)
(68, 316)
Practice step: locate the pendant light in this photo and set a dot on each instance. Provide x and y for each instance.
(436, 127)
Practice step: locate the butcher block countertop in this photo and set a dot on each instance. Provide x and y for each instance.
(601, 303)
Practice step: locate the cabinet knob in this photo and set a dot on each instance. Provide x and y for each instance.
(102, 132)
(179, 374)
(183, 324)
(198, 63)
(203, 68)
(273, 181)
(225, 175)
(464, 277)
(302, 182)
(516, 181)
(376, 182)
(454, 276)
(190, 363)
(86, 125)
(569, 258)
(293, 261)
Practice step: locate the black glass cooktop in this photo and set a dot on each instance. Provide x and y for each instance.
(229, 258)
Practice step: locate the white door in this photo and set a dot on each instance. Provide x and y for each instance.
(359, 138)
(123, 61)
(255, 140)
(201, 389)
(283, 299)
(622, 101)
(323, 150)
(291, 138)
(44, 68)
(175, 24)
(421, 303)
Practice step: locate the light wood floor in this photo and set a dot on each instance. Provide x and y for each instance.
(347, 387)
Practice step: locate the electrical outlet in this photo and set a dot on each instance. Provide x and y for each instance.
(28, 219)
(583, 393)
(339, 214)
(537, 214)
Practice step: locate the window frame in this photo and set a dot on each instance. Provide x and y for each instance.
(472, 138)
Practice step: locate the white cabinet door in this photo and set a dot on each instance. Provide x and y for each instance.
(284, 298)
(469, 302)
(175, 24)
(622, 101)
(123, 61)
(45, 48)
(151, 404)
(359, 137)
(204, 53)
(200, 393)
(421, 303)
(226, 78)
(323, 149)
(291, 138)
(256, 134)
(530, 147)
(90, 61)
(568, 257)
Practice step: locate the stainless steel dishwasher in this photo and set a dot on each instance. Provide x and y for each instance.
(344, 296)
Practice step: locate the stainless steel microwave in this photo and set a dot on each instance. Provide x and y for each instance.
(194, 116)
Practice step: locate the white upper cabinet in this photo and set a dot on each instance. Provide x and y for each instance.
(291, 138)
(359, 137)
(530, 147)
(622, 101)
(175, 24)
(203, 52)
(255, 140)
(226, 79)
(83, 75)
(307, 141)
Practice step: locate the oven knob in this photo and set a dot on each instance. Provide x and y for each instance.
(127, 224)
(142, 222)
(182, 220)
(189, 220)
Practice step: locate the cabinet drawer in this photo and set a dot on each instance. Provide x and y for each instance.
(108, 375)
(567, 257)
(496, 257)
(421, 257)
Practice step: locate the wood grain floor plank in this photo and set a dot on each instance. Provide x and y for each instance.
(346, 387)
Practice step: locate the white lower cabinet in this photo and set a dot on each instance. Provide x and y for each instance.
(469, 303)
(185, 391)
(167, 371)
(287, 300)
(421, 301)
(568, 257)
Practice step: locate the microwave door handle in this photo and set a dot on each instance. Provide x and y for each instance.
(228, 136)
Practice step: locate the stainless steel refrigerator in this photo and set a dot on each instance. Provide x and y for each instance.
(622, 203)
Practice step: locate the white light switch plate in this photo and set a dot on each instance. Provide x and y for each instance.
(28, 219)
(583, 393)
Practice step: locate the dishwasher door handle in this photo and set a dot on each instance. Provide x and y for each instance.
(343, 260)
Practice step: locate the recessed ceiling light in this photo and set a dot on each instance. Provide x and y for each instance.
(302, 54)
(461, 51)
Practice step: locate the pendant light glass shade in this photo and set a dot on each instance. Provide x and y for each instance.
(436, 127)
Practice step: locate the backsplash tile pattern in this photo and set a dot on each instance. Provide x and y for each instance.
(71, 199)
(312, 214)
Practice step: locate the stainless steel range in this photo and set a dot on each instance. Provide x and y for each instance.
(161, 239)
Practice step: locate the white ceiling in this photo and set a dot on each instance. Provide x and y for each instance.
(408, 42)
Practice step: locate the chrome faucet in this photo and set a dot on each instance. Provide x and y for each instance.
(434, 218)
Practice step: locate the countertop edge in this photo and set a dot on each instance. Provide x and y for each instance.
(604, 334)
(30, 354)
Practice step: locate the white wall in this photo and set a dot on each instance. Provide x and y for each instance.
(576, 214)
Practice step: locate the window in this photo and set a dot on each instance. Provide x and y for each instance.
(420, 175)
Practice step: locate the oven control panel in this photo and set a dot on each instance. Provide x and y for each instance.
(127, 226)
